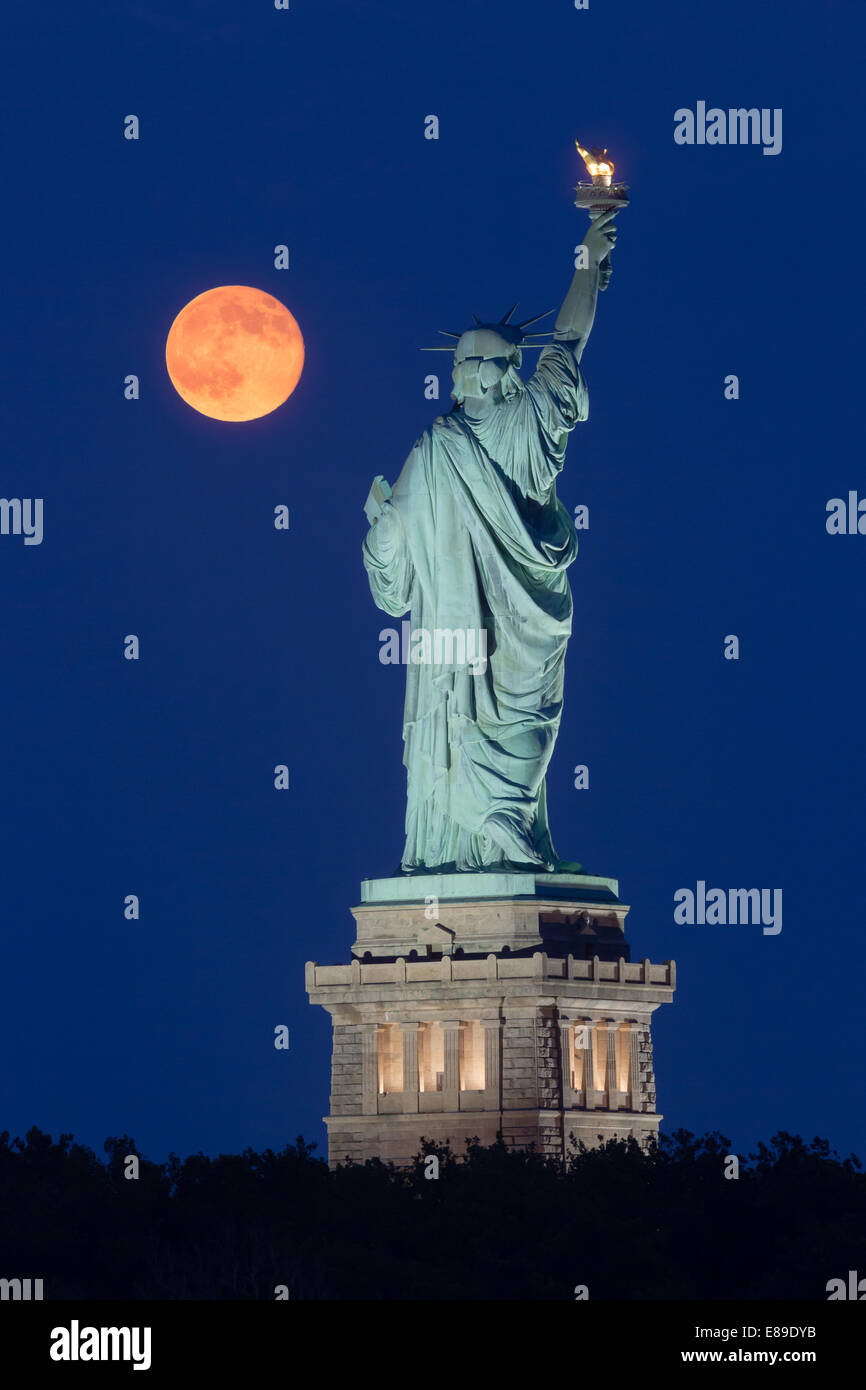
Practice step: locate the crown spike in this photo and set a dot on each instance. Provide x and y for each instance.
(478, 320)
(507, 315)
(446, 334)
(527, 322)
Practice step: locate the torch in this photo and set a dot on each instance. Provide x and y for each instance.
(602, 195)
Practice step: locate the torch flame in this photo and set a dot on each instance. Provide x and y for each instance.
(595, 161)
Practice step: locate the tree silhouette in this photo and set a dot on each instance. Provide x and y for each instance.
(496, 1223)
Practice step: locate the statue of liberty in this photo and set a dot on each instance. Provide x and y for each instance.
(474, 543)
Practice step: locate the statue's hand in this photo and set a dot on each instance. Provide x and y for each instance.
(601, 239)
(388, 523)
(377, 498)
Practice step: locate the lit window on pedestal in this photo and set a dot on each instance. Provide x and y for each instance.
(390, 1058)
(431, 1057)
(471, 1057)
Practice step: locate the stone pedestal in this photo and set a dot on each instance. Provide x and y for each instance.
(478, 1003)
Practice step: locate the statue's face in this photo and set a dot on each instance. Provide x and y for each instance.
(477, 376)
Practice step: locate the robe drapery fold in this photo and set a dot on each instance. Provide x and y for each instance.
(474, 538)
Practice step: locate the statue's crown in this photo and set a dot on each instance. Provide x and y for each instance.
(500, 339)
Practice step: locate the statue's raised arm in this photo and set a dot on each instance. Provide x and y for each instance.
(575, 319)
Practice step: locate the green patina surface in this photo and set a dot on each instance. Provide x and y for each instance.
(473, 542)
(484, 886)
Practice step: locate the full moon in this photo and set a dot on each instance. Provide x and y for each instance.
(234, 353)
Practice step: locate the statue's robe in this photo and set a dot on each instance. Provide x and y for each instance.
(477, 538)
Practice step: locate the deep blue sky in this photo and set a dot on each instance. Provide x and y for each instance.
(259, 647)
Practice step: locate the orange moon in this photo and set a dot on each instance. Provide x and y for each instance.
(234, 353)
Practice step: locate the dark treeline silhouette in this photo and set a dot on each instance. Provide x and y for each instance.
(496, 1223)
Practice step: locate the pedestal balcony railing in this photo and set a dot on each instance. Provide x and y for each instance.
(450, 969)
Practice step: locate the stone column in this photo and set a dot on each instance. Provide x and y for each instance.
(410, 1066)
(610, 1070)
(451, 1078)
(369, 1068)
(492, 1045)
(589, 1065)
